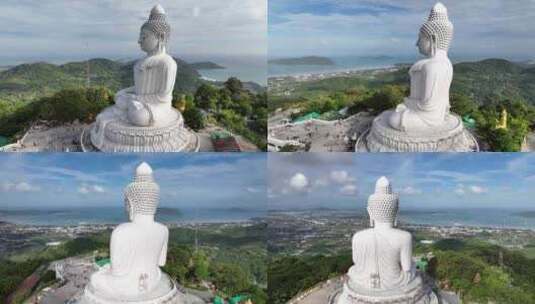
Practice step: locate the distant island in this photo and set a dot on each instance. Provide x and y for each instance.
(377, 57)
(206, 65)
(526, 214)
(307, 60)
(169, 211)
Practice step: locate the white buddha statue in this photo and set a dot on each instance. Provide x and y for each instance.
(138, 249)
(423, 122)
(431, 77)
(383, 270)
(142, 118)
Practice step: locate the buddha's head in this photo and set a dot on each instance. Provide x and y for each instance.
(383, 204)
(141, 196)
(436, 33)
(155, 32)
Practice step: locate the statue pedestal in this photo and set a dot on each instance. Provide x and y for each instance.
(164, 294)
(449, 137)
(416, 292)
(120, 136)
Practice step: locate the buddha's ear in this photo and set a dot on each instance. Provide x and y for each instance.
(129, 208)
(433, 44)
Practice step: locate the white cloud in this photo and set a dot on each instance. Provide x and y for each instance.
(203, 27)
(375, 24)
(25, 187)
(477, 189)
(461, 189)
(19, 187)
(341, 177)
(252, 190)
(348, 189)
(321, 182)
(409, 190)
(299, 182)
(83, 190)
(87, 189)
(99, 189)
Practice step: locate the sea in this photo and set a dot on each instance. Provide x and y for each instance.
(341, 64)
(482, 217)
(246, 68)
(495, 218)
(115, 215)
(472, 217)
(361, 62)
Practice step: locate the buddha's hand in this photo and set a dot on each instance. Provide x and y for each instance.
(401, 107)
(139, 114)
(125, 91)
(123, 100)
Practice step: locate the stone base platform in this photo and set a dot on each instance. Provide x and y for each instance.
(167, 294)
(119, 136)
(450, 137)
(415, 292)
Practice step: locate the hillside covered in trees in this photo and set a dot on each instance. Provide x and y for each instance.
(480, 272)
(480, 92)
(58, 93)
(232, 258)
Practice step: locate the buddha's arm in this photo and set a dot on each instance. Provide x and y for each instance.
(163, 254)
(165, 85)
(120, 253)
(355, 251)
(406, 255)
(129, 90)
(430, 76)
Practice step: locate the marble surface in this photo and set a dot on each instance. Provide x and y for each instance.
(142, 118)
(138, 248)
(383, 270)
(423, 122)
(451, 136)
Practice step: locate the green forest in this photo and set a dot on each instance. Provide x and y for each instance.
(480, 92)
(231, 258)
(58, 93)
(480, 272)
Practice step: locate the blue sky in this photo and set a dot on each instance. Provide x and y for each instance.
(427, 180)
(62, 29)
(293, 181)
(491, 28)
(98, 179)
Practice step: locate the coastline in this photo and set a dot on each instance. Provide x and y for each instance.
(409, 219)
(316, 75)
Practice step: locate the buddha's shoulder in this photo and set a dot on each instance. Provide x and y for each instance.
(402, 234)
(122, 228)
(434, 64)
(127, 228)
(157, 61)
(164, 59)
(370, 232)
(363, 233)
(162, 227)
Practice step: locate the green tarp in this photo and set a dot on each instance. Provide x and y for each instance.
(469, 122)
(422, 264)
(238, 299)
(3, 141)
(220, 135)
(102, 262)
(311, 115)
